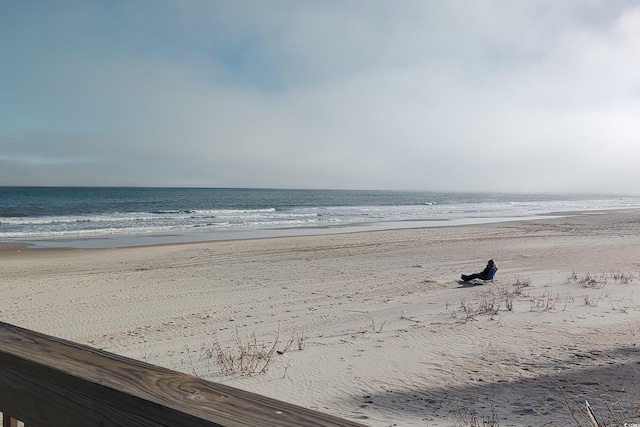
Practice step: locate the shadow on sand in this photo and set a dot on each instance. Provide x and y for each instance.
(471, 284)
(609, 381)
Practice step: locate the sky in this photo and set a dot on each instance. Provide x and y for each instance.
(434, 95)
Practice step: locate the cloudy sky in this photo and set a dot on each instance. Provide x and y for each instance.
(473, 95)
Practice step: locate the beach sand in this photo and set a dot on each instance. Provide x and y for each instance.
(378, 327)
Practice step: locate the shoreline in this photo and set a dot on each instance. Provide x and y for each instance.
(110, 242)
(389, 334)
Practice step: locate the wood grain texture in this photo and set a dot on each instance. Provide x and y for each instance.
(8, 421)
(47, 381)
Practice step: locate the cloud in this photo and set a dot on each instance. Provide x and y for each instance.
(488, 95)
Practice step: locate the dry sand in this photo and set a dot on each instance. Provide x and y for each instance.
(389, 334)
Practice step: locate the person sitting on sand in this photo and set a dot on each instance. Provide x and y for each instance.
(484, 275)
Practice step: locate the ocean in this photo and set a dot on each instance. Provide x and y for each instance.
(93, 217)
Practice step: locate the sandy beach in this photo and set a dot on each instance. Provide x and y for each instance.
(373, 327)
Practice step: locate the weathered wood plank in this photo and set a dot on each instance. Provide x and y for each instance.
(47, 381)
(8, 421)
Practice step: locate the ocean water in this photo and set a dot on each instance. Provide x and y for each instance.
(105, 216)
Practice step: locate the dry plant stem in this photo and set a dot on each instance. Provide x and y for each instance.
(248, 357)
(569, 408)
(632, 331)
(589, 280)
(302, 341)
(190, 360)
(592, 416)
(469, 418)
(546, 302)
(373, 325)
(589, 417)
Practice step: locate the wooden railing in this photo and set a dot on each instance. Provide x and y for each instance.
(47, 381)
